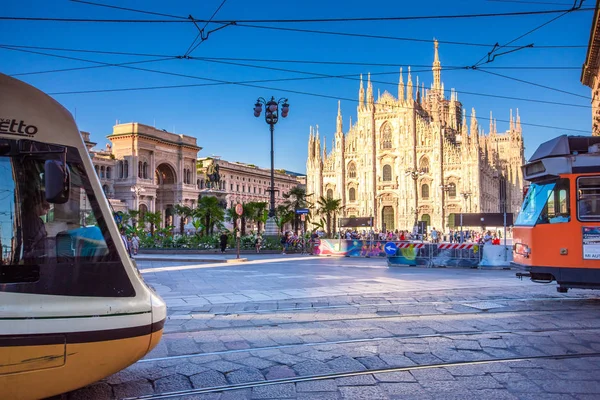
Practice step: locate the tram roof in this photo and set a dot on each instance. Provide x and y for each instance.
(564, 146)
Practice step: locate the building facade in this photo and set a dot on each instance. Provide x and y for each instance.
(244, 183)
(415, 157)
(590, 74)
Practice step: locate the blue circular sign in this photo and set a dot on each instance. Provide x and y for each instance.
(390, 249)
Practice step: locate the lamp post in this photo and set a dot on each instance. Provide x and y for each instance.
(502, 192)
(415, 173)
(271, 118)
(465, 196)
(136, 190)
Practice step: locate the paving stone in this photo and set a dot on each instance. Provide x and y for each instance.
(182, 346)
(318, 396)
(237, 345)
(202, 396)
(256, 362)
(287, 359)
(244, 375)
(467, 345)
(358, 380)
(400, 376)
(363, 393)
(372, 362)
(480, 382)
(549, 396)
(523, 385)
(282, 391)
(133, 389)
(240, 394)
(208, 379)
(189, 369)
(94, 391)
(504, 377)
(311, 367)
(223, 366)
(421, 359)
(569, 386)
(432, 374)
(172, 383)
(279, 372)
(394, 360)
(405, 390)
(345, 364)
(317, 386)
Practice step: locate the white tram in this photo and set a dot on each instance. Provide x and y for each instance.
(73, 307)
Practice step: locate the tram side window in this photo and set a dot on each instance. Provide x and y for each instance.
(588, 198)
(556, 209)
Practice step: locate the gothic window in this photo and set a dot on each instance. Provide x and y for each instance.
(329, 194)
(387, 173)
(425, 191)
(125, 169)
(424, 165)
(140, 167)
(452, 190)
(352, 194)
(352, 170)
(386, 137)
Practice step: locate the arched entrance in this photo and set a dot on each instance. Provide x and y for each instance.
(387, 216)
(451, 224)
(166, 192)
(427, 219)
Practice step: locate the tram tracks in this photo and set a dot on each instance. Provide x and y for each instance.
(259, 324)
(449, 335)
(320, 377)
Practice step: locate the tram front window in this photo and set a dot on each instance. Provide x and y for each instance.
(52, 246)
(546, 203)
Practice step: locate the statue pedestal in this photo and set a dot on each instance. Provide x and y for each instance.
(271, 228)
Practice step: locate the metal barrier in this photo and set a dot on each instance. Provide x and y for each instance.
(409, 253)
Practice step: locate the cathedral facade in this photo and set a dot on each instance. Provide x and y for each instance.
(414, 158)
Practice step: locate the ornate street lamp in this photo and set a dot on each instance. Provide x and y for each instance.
(137, 190)
(271, 118)
(415, 173)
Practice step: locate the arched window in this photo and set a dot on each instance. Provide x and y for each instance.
(425, 191)
(352, 194)
(386, 136)
(329, 194)
(189, 176)
(97, 170)
(102, 171)
(143, 210)
(140, 168)
(351, 170)
(424, 165)
(387, 173)
(125, 169)
(108, 172)
(145, 170)
(452, 190)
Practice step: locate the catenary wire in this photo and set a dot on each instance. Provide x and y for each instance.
(191, 49)
(127, 9)
(307, 20)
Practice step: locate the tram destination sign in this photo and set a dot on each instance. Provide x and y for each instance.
(591, 242)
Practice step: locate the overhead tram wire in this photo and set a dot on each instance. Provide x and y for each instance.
(127, 9)
(308, 20)
(368, 36)
(191, 48)
(533, 84)
(118, 53)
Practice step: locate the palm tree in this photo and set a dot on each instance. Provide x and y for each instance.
(154, 219)
(211, 212)
(283, 216)
(256, 212)
(295, 199)
(184, 212)
(329, 208)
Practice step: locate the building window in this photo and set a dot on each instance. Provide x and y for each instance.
(386, 136)
(452, 190)
(425, 191)
(119, 169)
(329, 194)
(108, 172)
(424, 165)
(125, 169)
(145, 170)
(102, 172)
(352, 194)
(140, 169)
(387, 173)
(231, 187)
(237, 188)
(351, 170)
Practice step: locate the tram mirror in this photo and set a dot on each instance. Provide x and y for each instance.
(57, 182)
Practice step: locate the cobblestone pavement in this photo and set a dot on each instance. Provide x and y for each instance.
(340, 328)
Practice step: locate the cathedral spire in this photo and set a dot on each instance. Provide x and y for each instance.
(369, 92)
(311, 144)
(512, 125)
(409, 88)
(491, 123)
(324, 148)
(437, 67)
(418, 94)
(339, 118)
(361, 94)
(518, 121)
(464, 126)
(474, 128)
(401, 87)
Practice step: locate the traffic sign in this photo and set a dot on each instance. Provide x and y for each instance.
(239, 209)
(302, 211)
(390, 249)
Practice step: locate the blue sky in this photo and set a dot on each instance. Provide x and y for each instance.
(221, 116)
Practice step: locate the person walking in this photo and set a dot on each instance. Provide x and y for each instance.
(223, 241)
(135, 243)
(258, 243)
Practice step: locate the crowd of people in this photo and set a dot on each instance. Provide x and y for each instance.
(433, 236)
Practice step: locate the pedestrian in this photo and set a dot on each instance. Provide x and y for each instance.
(284, 242)
(434, 235)
(223, 241)
(258, 243)
(487, 238)
(135, 243)
(125, 241)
